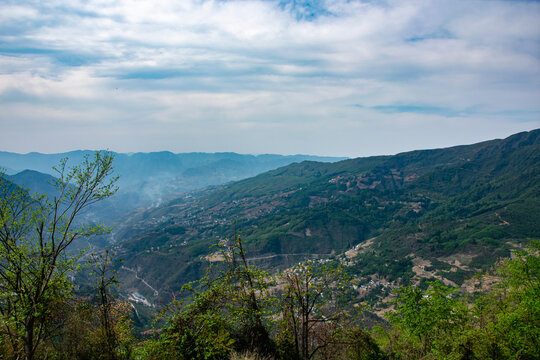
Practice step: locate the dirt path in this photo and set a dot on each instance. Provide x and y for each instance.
(156, 293)
(278, 255)
(503, 222)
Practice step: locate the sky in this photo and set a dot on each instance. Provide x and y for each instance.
(335, 77)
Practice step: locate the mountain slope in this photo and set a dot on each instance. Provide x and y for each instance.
(441, 213)
(35, 181)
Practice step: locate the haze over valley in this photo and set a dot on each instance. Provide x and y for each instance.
(147, 179)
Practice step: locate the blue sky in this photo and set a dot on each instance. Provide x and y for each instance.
(335, 77)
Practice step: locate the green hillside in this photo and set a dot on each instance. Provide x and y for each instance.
(443, 214)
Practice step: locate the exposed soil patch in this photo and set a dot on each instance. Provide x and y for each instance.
(215, 257)
(419, 269)
(360, 248)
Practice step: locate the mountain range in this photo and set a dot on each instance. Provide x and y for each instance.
(441, 214)
(148, 179)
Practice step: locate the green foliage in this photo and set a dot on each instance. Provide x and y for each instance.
(503, 323)
(228, 312)
(193, 335)
(361, 346)
(427, 315)
(82, 336)
(177, 230)
(517, 310)
(35, 233)
(114, 327)
(386, 264)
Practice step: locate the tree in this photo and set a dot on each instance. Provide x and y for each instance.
(228, 312)
(251, 298)
(312, 311)
(35, 233)
(426, 320)
(510, 313)
(114, 328)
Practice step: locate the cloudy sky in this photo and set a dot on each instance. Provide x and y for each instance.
(334, 77)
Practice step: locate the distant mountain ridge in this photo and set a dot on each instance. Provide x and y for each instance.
(143, 164)
(147, 179)
(36, 181)
(426, 214)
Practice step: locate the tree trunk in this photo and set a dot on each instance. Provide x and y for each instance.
(29, 340)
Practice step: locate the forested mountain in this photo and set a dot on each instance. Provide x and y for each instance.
(429, 214)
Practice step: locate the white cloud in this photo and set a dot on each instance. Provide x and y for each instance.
(254, 76)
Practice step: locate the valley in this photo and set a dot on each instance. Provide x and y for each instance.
(442, 214)
(361, 235)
